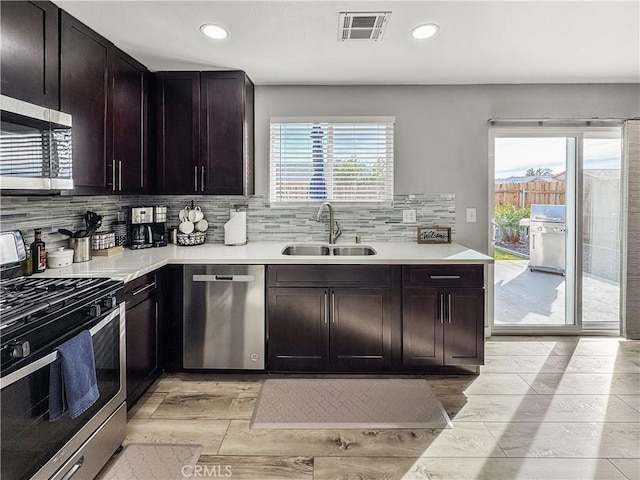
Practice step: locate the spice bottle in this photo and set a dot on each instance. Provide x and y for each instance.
(27, 264)
(38, 253)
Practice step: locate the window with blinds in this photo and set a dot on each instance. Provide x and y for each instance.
(338, 160)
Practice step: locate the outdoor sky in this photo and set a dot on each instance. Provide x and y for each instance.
(513, 156)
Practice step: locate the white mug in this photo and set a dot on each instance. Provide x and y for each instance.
(202, 225)
(186, 226)
(184, 213)
(196, 215)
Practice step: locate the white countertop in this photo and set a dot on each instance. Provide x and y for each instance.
(132, 264)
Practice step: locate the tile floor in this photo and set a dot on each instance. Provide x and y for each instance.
(550, 408)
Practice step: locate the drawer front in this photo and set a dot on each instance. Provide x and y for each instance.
(329, 275)
(140, 289)
(443, 276)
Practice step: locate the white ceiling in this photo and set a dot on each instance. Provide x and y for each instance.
(295, 42)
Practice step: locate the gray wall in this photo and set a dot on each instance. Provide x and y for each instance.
(441, 141)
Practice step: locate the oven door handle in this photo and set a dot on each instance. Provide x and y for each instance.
(53, 356)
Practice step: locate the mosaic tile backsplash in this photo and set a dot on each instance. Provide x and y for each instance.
(290, 223)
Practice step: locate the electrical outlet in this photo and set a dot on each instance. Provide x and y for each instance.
(408, 216)
(471, 215)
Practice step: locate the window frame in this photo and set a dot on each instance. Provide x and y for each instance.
(279, 202)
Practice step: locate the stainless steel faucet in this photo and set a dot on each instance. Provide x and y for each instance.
(333, 235)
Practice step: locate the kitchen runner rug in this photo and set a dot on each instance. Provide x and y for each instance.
(320, 403)
(152, 461)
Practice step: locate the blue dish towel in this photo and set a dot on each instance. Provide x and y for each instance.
(72, 378)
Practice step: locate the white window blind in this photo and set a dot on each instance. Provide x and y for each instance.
(334, 160)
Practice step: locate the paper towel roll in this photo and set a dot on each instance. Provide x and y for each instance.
(235, 230)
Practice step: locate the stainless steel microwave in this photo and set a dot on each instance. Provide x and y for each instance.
(35, 147)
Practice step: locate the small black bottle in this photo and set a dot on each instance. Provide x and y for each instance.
(38, 253)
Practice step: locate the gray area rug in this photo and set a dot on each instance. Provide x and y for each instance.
(152, 461)
(320, 403)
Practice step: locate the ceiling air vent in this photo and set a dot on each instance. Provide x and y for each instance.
(362, 25)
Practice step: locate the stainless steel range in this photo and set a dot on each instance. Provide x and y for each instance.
(36, 316)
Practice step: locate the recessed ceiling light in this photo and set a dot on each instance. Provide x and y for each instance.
(425, 31)
(214, 31)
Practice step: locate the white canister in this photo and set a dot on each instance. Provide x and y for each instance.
(62, 257)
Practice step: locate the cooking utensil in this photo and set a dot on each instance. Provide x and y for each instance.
(80, 234)
(64, 231)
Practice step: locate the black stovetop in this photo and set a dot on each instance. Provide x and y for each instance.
(41, 310)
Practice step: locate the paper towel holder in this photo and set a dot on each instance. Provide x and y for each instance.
(235, 230)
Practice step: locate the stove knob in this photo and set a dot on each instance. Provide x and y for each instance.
(109, 302)
(19, 349)
(94, 311)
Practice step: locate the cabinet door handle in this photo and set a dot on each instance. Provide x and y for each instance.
(445, 277)
(195, 178)
(113, 174)
(119, 175)
(333, 307)
(146, 287)
(326, 307)
(442, 308)
(449, 307)
(202, 178)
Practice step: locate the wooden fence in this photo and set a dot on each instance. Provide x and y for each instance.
(524, 194)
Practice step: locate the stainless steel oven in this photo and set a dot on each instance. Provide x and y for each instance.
(37, 315)
(35, 447)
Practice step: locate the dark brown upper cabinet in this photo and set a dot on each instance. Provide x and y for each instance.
(178, 132)
(83, 94)
(127, 148)
(29, 56)
(205, 133)
(105, 91)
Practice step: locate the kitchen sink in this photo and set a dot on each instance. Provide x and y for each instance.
(324, 249)
(306, 249)
(357, 250)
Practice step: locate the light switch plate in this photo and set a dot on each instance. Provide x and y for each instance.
(408, 216)
(471, 215)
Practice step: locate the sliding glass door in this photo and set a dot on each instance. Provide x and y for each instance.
(555, 205)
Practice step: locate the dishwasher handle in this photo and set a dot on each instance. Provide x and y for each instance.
(224, 278)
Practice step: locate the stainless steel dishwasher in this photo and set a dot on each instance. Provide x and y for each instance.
(224, 317)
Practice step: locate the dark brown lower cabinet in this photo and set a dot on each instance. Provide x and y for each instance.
(298, 332)
(443, 325)
(142, 297)
(328, 328)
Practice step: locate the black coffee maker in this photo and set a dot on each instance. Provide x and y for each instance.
(147, 227)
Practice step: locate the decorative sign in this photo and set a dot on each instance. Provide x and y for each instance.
(434, 235)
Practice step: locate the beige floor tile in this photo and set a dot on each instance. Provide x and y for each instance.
(192, 405)
(484, 384)
(629, 466)
(515, 347)
(464, 440)
(592, 346)
(568, 440)
(334, 468)
(146, 405)
(631, 400)
(583, 383)
(538, 408)
(255, 468)
(208, 433)
(558, 364)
